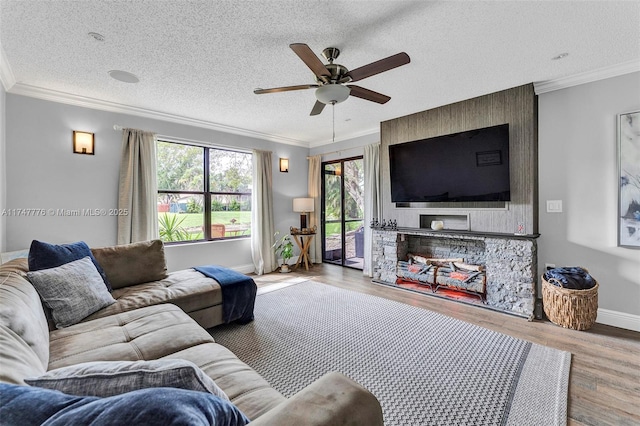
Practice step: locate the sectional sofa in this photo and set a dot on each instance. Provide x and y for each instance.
(158, 316)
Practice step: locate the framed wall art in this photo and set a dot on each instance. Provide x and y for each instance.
(629, 179)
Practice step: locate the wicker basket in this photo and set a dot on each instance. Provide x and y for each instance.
(575, 309)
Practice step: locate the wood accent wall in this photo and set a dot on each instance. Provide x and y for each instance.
(518, 107)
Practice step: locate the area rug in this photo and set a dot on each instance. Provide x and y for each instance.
(425, 368)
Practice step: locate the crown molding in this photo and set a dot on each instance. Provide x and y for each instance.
(7, 78)
(586, 77)
(375, 130)
(86, 102)
(10, 85)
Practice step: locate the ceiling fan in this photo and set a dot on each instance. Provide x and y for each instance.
(331, 79)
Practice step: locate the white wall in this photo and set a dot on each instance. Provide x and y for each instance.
(43, 173)
(3, 169)
(578, 165)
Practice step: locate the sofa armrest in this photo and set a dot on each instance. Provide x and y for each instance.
(333, 399)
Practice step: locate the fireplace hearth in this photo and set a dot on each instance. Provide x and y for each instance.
(506, 266)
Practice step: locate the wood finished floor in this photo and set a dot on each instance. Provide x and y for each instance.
(604, 383)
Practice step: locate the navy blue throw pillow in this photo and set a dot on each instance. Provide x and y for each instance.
(24, 406)
(45, 256)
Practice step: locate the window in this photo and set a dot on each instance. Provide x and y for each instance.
(203, 193)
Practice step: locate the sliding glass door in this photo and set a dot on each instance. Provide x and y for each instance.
(343, 212)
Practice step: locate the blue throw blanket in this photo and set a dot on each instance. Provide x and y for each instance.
(571, 277)
(27, 406)
(238, 292)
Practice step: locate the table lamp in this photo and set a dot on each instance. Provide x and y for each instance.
(303, 206)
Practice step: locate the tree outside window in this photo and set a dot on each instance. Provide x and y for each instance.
(194, 180)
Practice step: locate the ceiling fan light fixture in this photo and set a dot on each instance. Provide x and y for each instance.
(332, 93)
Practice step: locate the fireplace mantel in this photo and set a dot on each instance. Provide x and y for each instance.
(455, 233)
(510, 261)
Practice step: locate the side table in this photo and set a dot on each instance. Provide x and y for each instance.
(304, 244)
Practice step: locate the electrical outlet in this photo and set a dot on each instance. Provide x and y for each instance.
(554, 206)
(548, 266)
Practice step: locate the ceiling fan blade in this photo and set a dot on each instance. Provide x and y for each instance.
(369, 95)
(377, 67)
(305, 53)
(284, 89)
(317, 108)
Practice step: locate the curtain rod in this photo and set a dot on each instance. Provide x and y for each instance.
(335, 152)
(194, 142)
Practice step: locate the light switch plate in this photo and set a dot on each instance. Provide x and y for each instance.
(554, 206)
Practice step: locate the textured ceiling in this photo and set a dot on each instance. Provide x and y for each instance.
(202, 59)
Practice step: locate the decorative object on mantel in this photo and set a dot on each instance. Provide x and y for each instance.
(283, 248)
(391, 225)
(437, 225)
(570, 297)
(629, 179)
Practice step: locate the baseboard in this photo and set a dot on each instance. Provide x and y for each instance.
(249, 269)
(244, 269)
(619, 319)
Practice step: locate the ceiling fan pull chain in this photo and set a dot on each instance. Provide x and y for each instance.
(333, 109)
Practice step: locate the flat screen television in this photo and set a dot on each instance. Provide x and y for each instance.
(465, 166)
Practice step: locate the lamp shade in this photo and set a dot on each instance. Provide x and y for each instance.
(303, 205)
(332, 93)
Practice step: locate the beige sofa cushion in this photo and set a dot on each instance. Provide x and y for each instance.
(143, 334)
(245, 388)
(188, 289)
(24, 333)
(131, 264)
(163, 331)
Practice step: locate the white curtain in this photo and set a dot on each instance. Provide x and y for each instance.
(315, 188)
(262, 227)
(372, 200)
(138, 192)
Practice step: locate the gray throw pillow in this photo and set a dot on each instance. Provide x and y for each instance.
(73, 291)
(108, 378)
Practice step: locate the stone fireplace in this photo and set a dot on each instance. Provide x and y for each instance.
(510, 261)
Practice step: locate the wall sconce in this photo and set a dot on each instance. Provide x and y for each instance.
(83, 143)
(284, 165)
